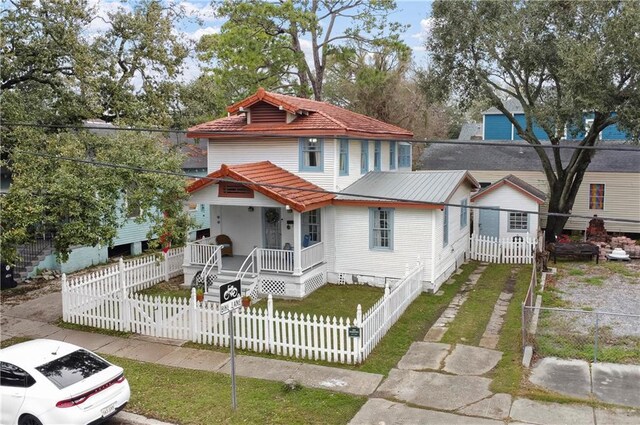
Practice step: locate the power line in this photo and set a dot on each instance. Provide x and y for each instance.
(322, 191)
(544, 145)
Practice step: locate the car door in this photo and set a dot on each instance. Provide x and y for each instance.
(13, 386)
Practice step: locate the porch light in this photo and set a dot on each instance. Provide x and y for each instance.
(251, 209)
(287, 207)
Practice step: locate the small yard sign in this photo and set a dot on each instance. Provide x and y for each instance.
(230, 296)
(354, 331)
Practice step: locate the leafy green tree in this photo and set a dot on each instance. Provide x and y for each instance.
(559, 59)
(55, 71)
(262, 43)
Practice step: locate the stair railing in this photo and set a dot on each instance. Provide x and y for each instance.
(214, 261)
(248, 264)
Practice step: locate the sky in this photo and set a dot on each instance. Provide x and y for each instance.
(414, 13)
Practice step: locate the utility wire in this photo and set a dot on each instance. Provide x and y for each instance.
(322, 191)
(545, 145)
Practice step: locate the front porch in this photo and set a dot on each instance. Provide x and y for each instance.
(263, 271)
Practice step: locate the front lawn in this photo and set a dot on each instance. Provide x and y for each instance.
(198, 397)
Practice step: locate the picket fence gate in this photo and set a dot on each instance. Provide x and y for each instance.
(494, 250)
(101, 303)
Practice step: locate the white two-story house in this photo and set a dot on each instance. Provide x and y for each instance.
(306, 193)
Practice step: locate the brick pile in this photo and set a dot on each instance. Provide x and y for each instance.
(628, 244)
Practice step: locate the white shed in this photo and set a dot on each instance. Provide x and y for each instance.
(513, 193)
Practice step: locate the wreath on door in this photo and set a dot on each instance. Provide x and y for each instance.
(272, 215)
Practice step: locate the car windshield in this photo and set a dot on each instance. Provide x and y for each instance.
(72, 368)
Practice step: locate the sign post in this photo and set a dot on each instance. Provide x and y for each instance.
(230, 300)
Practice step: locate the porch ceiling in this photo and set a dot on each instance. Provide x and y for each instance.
(272, 181)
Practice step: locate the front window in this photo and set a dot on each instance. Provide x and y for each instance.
(392, 155)
(518, 222)
(311, 226)
(364, 156)
(596, 196)
(311, 158)
(381, 228)
(404, 156)
(377, 156)
(344, 157)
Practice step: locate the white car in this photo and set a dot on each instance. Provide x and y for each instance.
(51, 382)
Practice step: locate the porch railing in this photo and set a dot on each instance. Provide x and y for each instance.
(312, 255)
(275, 260)
(200, 252)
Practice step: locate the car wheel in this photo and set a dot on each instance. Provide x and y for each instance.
(28, 420)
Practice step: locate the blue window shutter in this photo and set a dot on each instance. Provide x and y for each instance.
(372, 213)
(377, 156)
(392, 155)
(445, 233)
(364, 156)
(391, 228)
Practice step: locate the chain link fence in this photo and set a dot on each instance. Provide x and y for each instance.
(582, 334)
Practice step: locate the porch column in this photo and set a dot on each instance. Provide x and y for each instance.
(297, 243)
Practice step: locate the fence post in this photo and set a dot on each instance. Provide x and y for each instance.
(186, 257)
(358, 349)
(166, 266)
(219, 260)
(595, 341)
(65, 298)
(269, 333)
(124, 306)
(524, 331)
(194, 316)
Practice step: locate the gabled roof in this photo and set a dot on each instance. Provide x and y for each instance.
(432, 187)
(512, 105)
(515, 158)
(313, 118)
(267, 173)
(516, 183)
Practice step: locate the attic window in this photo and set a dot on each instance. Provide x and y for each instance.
(234, 190)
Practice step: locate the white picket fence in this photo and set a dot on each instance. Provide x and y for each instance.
(494, 250)
(261, 330)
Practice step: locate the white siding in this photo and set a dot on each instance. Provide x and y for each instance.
(244, 227)
(209, 195)
(510, 198)
(621, 199)
(282, 152)
(448, 257)
(412, 233)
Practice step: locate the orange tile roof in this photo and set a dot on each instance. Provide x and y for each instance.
(266, 172)
(313, 119)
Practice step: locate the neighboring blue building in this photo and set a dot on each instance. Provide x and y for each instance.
(132, 237)
(496, 126)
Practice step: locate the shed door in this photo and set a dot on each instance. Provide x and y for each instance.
(489, 223)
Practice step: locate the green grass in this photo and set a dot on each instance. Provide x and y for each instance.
(576, 272)
(594, 280)
(507, 375)
(169, 289)
(197, 397)
(332, 300)
(474, 315)
(412, 326)
(620, 268)
(62, 324)
(12, 341)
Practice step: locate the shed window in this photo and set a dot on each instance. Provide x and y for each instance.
(311, 154)
(381, 228)
(596, 196)
(377, 156)
(518, 222)
(364, 156)
(344, 157)
(404, 156)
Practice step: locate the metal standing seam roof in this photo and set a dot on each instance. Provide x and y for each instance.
(418, 186)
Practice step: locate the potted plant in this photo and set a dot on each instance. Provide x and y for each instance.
(246, 301)
(200, 294)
